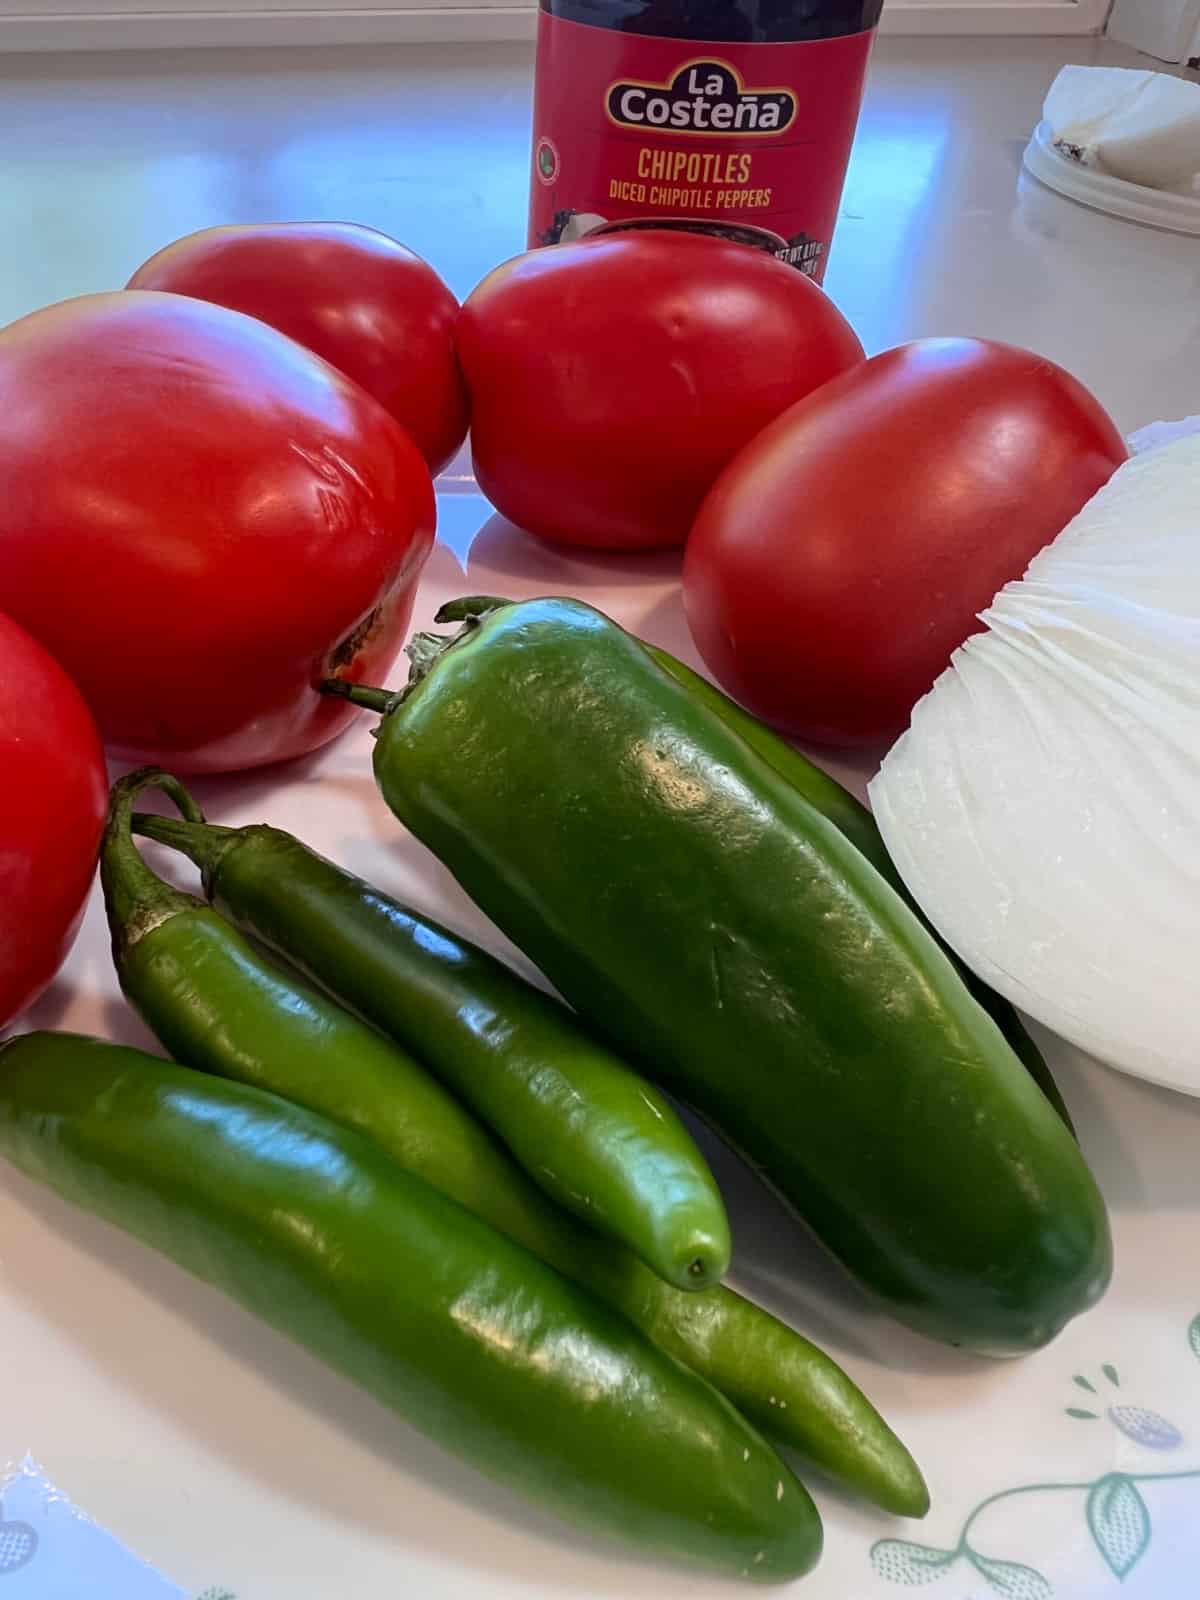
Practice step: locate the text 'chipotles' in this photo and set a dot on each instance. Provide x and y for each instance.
(706, 97)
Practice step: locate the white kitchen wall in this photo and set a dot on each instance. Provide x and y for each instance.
(1169, 29)
(133, 24)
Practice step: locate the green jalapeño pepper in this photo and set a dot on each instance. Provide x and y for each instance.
(597, 1137)
(468, 1337)
(837, 805)
(465, 1013)
(697, 911)
(851, 817)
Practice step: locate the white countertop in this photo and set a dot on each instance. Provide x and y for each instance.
(108, 157)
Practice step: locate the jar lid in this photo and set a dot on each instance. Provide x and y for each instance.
(1154, 208)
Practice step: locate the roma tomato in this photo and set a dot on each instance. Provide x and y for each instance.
(53, 794)
(366, 304)
(200, 519)
(846, 552)
(612, 379)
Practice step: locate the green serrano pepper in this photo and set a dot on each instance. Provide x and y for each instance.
(467, 1336)
(439, 992)
(851, 817)
(216, 1004)
(703, 916)
(598, 1138)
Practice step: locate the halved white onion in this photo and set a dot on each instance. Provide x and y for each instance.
(1044, 806)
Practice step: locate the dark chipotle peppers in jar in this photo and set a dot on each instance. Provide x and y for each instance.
(733, 117)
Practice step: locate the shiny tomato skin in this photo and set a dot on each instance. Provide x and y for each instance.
(53, 791)
(612, 379)
(200, 519)
(362, 301)
(847, 551)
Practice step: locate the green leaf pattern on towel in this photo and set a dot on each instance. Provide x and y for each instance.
(1011, 1579)
(1118, 1516)
(902, 1561)
(1119, 1521)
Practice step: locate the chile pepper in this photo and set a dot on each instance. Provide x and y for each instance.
(852, 818)
(699, 913)
(435, 991)
(216, 1004)
(596, 1136)
(470, 1338)
(839, 806)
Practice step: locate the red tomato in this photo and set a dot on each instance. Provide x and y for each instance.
(53, 790)
(612, 379)
(200, 519)
(843, 556)
(363, 302)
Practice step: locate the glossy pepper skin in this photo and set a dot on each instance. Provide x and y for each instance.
(430, 987)
(597, 1137)
(468, 1337)
(693, 907)
(216, 1004)
(852, 818)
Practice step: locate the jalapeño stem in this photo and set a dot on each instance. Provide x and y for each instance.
(136, 898)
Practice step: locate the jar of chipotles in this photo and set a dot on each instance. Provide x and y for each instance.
(733, 117)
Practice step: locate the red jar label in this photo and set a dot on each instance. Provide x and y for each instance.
(748, 140)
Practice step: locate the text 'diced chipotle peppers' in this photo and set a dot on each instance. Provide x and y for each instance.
(734, 117)
(689, 903)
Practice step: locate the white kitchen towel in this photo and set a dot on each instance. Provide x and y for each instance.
(1143, 127)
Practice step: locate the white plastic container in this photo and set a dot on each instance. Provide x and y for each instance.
(1154, 208)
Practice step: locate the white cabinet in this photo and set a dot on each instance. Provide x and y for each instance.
(1169, 29)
